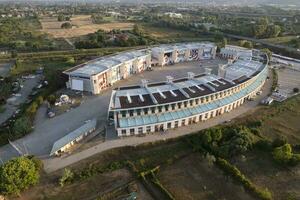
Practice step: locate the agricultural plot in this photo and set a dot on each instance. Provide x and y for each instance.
(259, 166)
(196, 178)
(118, 184)
(82, 25)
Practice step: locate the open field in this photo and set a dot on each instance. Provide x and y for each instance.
(280, 40)
(116, 183)
(194, 178)
(283, 183)
(164, 33)
(82, 25)
(279, 119)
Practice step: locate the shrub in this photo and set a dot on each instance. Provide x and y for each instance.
(17, 175)
(22, 126)
(296, 90)
(51, 99)
(67, 177)
(237, 174)
(66, 25)
(283, 154)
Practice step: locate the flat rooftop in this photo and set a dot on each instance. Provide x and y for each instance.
(183, 46)
(168, 92)
(102, 64)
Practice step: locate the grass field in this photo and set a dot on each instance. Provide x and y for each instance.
(170, 34)
(259, 166)
(194, 177)
(280, 40)
(82, 25)
(280, 119)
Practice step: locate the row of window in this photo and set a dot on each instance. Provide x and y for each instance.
(183, 121)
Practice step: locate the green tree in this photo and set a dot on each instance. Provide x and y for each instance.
(273, 31)
(137, 29)
(283, 154)
(268, 52)
(17, 175)
(22, 126)
(66, 25)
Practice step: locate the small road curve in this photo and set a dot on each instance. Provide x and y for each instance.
(53, 164)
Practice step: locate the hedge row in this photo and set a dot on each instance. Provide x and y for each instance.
(263, 194)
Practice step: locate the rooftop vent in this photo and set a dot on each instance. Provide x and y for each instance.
(144, 83)
(191, 75)
(141, 98)
(173, 93)
(128, 98)
(161, 94)
(169, 79)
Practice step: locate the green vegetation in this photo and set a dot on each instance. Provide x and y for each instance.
(263, 194)
(22, 126)
(246, 44)
(22, 35)
(115, 38)
(18, 174)
(275, 80)
(284, 155)
(66, 25)
(62, 17)
(67, 177)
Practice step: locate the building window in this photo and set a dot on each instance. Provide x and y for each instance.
(173, 106)
(123, 131)
(153, 110)
(146, 111)
(159, 108)
(123, 113)
(167, 107)
(132, 131)
(138, 112)
(179, 105)
(169, 125)
(148, 128)
(176, 124)
(131, 113)
(140, 130)
(185, 104)
(183, 122)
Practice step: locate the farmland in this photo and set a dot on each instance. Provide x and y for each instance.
(82, 25)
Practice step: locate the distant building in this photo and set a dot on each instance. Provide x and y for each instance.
(235, 52)
(173, 15)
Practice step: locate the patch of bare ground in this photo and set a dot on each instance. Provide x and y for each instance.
(194, 177)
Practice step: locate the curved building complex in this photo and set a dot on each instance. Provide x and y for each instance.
(152, 107)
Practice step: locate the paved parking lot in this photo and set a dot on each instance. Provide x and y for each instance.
(5, 68)
(10, 108)
(288, 79)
